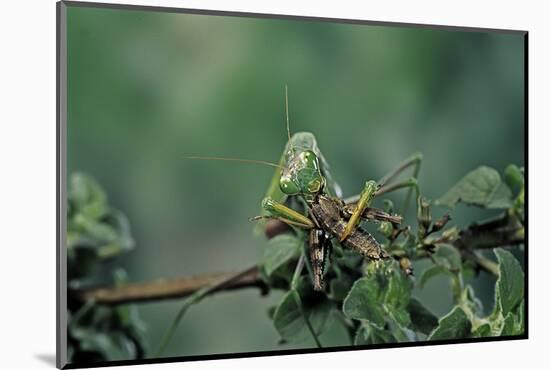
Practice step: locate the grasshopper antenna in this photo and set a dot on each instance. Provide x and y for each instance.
(234, 160)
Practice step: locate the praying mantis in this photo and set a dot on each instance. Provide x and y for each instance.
(303, 175)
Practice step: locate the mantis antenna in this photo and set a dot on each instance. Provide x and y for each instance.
(287, 120)
(253, 160)
(235, 160)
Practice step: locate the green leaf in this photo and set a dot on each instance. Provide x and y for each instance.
(194, 298)
(318, 315)
(513, 176)
(431, 272)
(398, 291)
(271, 312)
(379, 336)
(448, 257)
(289, 320)
(454, 325)
(94, 229)
(347, 258)
(483, 330)
(340, 287)
(481, 187)
(501, 325)
(111, 345)
(364, 302)
(401, 333)
(361, 336)
(120, 223)
(370, 335)
(400, 316)
(468, 269)
(509, 325)
(280, 250)
(520, 325)
(422, 319)
(87, 196)
(510, 283)
(471, 301)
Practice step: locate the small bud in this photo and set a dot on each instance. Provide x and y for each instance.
(450, 235)
(513, 176)
(424, 215)
(440, 224)
(520, 233)
(388, 206)
(386, 228)
(406, 265)
(520, 199)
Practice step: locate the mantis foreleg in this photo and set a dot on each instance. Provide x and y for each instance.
(282, 219)
(284, 214)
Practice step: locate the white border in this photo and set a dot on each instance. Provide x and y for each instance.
(27, 209)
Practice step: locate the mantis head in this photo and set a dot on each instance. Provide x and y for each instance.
(302, 175)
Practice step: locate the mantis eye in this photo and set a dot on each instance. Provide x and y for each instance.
(288, 186)
(309, 156)
(314, 186)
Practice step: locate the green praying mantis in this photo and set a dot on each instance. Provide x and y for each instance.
(302, 177)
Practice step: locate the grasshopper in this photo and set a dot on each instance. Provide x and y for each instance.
(303, 174)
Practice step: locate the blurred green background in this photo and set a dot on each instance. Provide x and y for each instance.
(146, 89)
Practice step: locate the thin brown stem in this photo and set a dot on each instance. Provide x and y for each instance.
(477, 237)
(496, 232)
(175, 288)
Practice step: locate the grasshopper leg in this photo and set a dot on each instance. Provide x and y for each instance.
(317, 237)
(367, 195)
(372, 214)
(318, 250)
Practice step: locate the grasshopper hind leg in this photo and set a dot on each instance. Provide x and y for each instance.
(319, 246)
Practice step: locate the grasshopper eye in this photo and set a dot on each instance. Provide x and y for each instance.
(288, 186)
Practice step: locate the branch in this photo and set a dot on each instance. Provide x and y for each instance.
(488, 239)
(500, 231)
(479, 236)
(175, 288)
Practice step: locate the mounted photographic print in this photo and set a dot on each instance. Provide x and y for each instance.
(234, 184)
